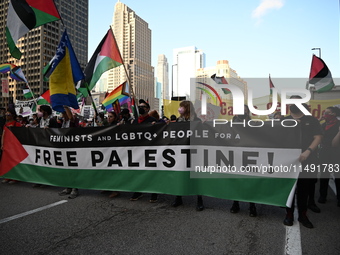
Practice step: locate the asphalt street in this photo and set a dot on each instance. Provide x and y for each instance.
(39, 221)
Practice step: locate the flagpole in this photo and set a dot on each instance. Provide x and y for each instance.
(93, 104)
(35, 100)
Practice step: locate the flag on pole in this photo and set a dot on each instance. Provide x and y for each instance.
(27, 93)
(105, 57)
(15, 72)
(116, 94)
(64, 72)
(25, 15)
(43, 99)
(221, 80)
(320, 75)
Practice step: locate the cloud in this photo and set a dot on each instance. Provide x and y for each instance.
(265, 6)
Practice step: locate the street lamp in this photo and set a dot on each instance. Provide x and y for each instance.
(319, 49)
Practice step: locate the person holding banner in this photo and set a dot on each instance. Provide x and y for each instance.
(68, 122)
(311, 138)
(47, 120)
(235, 208)
(144, 118)
(187, 113)
(327, 153)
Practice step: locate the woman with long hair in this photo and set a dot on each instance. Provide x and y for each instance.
(187, 113)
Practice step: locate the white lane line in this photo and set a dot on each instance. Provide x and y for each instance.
(332, 184)
(32, 211)
(293, 237)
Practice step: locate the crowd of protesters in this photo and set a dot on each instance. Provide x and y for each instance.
(320, 145)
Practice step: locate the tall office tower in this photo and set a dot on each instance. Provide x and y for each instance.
(223, 68)
(163, 76)
(39, 45)
(133, 37)
(186, 62)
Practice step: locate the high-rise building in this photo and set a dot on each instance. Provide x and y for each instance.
(163, 76)
(223, 68)
(39, 45)
(186, 62)
(133, 38)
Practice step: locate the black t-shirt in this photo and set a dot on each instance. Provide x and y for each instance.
(310, 127)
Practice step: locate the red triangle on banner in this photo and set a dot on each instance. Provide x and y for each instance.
(12, 152)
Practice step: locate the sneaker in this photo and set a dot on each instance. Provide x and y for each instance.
(65, 192)
(322, 200)
(235, 208)
(12, 181)
(252, 211)
(136, 196)
(305, 222)
(153, 198)
(5, 181)
(314, 208)
(74, 194)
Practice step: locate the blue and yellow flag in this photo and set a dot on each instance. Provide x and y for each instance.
(63, 72)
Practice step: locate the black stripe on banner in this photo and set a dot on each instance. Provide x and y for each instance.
(185, 133)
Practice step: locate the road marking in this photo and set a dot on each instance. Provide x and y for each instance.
(293, 239)
(32, 211)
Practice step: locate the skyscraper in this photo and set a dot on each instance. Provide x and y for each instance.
(186, 62)
(163, 76)
(133, 37)
(39, 45)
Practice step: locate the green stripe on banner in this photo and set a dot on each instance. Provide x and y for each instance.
(272, 191)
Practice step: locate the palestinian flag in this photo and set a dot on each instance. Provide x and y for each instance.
(221, 80)
(12, 151)
(106, 57)
(23, 16)
(43, 99)
(28, 93)
(320, 75)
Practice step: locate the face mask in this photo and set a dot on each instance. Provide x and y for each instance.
(294, 109)
(141, 110)
(181, 110)
(328, 117)
(40, 114)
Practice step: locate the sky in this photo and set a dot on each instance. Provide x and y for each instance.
(257, 37)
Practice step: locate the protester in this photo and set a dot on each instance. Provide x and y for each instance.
(187, 113)
(100, 120)
(112, 118)
(235, 208)
(125, 117)
(69, 121)
(47, 120)
(173, 118)
(33, 123)
(311, 138)
(144, 118)
(329, 155)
